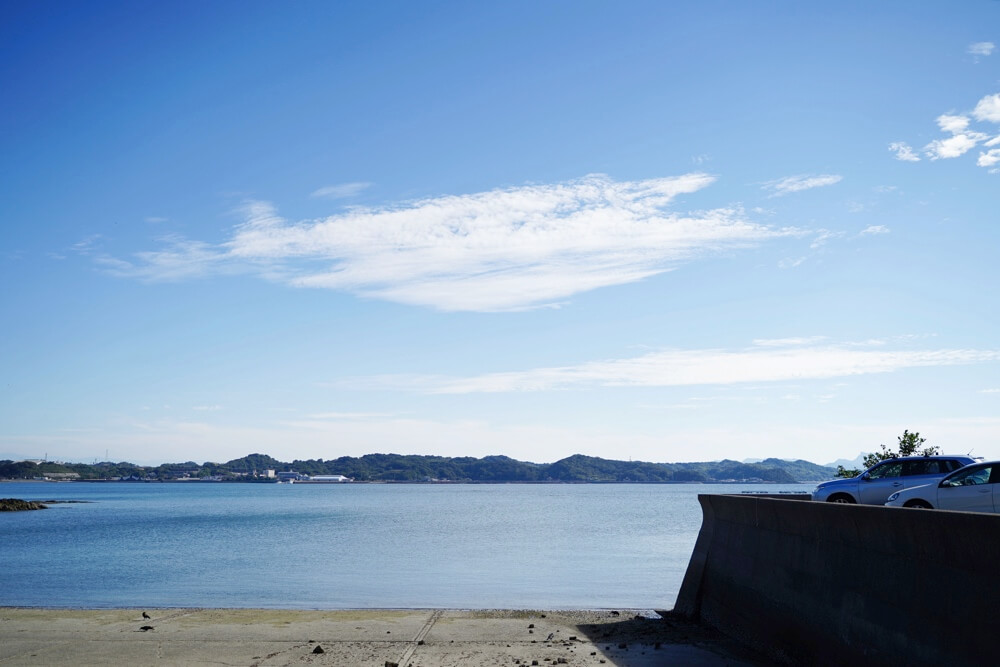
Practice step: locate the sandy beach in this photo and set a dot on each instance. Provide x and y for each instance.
(359, 638)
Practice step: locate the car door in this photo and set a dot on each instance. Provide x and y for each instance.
(917, 472)
(968, 490)
(880, 482)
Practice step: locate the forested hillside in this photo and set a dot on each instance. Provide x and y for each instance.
(419, 468)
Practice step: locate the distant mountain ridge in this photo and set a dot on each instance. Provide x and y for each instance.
(424, 468)
(857, 462)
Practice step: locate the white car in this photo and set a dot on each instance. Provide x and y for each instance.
(974, 488)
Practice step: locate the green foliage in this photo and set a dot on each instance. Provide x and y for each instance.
(18, 470)
(908, 445)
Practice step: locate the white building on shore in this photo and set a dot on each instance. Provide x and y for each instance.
(329, 479)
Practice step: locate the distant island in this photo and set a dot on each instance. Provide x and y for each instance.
(429, 469)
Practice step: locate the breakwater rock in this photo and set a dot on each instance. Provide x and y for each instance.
(16, 505)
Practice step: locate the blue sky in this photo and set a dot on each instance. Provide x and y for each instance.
(658, 231)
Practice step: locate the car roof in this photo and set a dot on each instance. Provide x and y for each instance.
(928, 456)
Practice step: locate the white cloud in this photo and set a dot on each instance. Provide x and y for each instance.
(981, 48)
(341, 191)
(988, 109)
(790, 184)
(795, 361)
(963, 137)
(508, 249)
(953, 124)
(989, 158)
(961, 141)
(874, 229)
(952, 147)
(904, 152)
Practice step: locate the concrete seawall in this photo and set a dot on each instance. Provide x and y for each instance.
(828, 584)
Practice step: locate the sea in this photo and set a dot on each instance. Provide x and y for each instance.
(353, 546)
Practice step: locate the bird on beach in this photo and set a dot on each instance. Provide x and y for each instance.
(146, 628)
(145, 615)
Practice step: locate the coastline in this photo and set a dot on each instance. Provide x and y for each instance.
(472, 638)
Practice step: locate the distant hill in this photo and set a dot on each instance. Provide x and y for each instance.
(856, 462)
(420, 468)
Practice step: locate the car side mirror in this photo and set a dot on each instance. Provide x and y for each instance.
(866, 476)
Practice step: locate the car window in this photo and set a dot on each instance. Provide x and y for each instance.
(978, 475)
(922, 467)
(952, 464)
(884, 470)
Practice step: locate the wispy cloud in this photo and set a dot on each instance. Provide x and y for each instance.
(873, 230)
(342, 416)
(788, 342)
(823, 236)
(89, 245)
(904, 152)
(767, 361)
(506, 249)
(181, 259)
(790, 184)
(341, 190)
(963, 136)
(980, 49)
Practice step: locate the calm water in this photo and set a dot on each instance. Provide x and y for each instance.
(352, 546)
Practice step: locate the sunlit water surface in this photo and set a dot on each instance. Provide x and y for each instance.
(555, 546)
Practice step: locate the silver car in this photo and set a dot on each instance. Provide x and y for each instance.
(974, 488)
(875, 485)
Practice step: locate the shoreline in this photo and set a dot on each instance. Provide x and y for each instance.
(359, 637)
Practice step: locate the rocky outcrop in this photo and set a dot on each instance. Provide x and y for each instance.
(15, 505)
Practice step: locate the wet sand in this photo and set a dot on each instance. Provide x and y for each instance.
(359, 638)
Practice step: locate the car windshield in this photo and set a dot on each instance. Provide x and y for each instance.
(979, 475)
